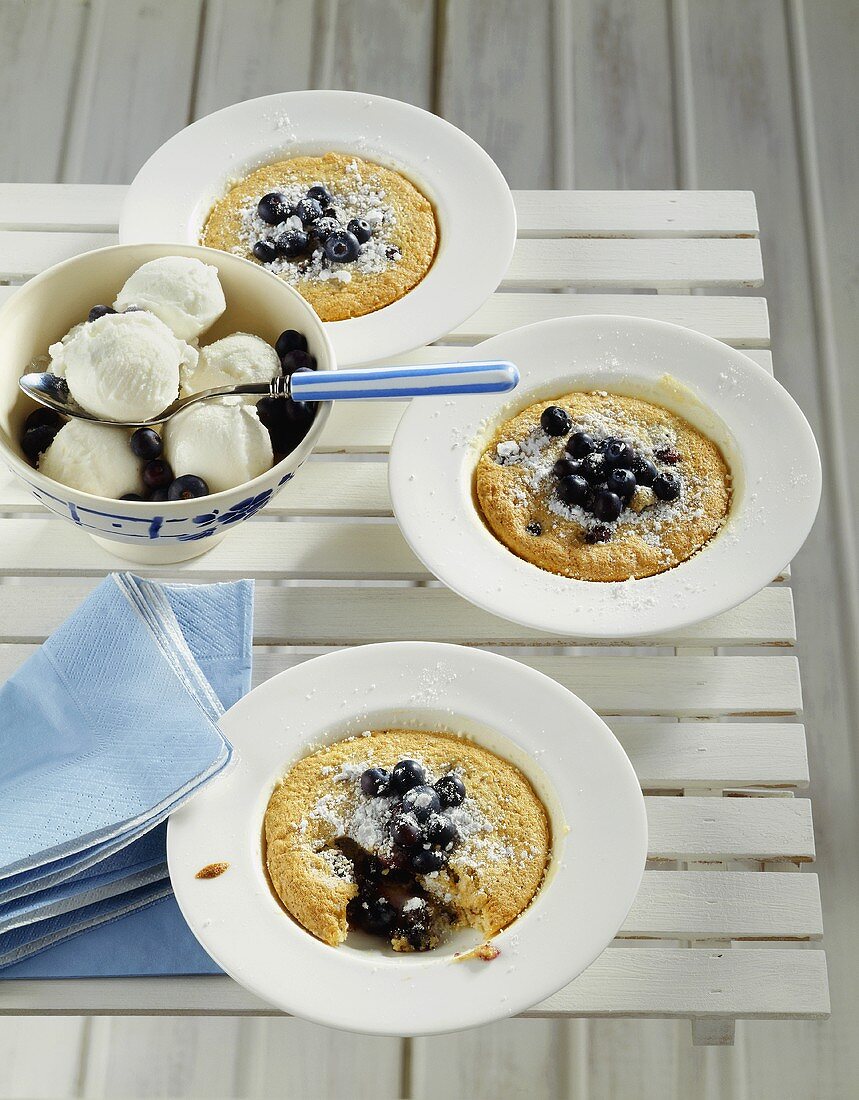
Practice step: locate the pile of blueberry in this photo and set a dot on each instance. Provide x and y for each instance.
(289, 421)
(422, 837)
(157, 474)
(601, 475)
(320, 229)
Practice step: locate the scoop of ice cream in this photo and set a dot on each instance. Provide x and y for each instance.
(221, 441)
(124, 366)
(229, 362)
(185, 293)
(93, 458)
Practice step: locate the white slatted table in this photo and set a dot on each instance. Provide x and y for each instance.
(721, 929)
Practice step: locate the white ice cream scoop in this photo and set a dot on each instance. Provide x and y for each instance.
(240, 357)
(93, 458)
(374, 383)
(223, 442)
(184, 292)
(122, 366)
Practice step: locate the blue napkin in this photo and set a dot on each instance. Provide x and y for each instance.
(105, 731)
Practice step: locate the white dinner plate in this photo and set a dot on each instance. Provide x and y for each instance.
(571, 757)
(174, 191)
(764, 436)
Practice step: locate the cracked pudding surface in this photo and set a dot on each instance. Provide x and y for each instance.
(333, 861)
(400, 248)
(542, 486)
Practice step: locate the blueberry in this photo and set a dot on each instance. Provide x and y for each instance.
(44, 418)
(131, 496)
(321, 229)
(375, 782)
(157, 495)
(274, 208)
(290, 340)
(593, 467)
(330, 212)
(534, 528)
(426, 860)
(287, 421)
(146, 443)
(298, 360)
(607, 506)
(666, 486)
(643, 469)
(361, 229)
(421, 801)
(566, 467)
(99, 311)
(621, 481)
(573, 489)
(450, 790)
(554, 420)
(36, 440)
(342, 247)
(598, 533)
(187, 487)
(308, 210)
(292, 243)
(321, 194)
(581, 444)
(668, 456)
(374, 914)
(265, 250)
(407, 774)
(405, 831)
(617, 453)
(157, 474)
(441, 831)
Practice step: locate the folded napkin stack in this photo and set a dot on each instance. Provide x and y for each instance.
(105, 731)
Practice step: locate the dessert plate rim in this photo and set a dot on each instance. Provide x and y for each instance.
(564, 747)
(173, 191)
(767, 439)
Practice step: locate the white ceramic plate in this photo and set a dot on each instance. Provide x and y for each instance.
(762, 432)
(568, 753)
(174, 191)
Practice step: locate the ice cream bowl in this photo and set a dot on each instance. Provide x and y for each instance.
(47, 306)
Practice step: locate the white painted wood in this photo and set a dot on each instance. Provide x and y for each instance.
(96, 207)
(326, 616)
(636, 213)
(630, 981)
(661, 264)
(37, 36)
(664, 686)
(134, 86)
(741, 322)
(40, 1057)
(24, 253)
(708, 829)
(731, 905)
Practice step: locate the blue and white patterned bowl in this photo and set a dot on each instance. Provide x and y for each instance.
(47, 306)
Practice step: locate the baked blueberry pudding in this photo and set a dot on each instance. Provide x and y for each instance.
(351, 236)
(404, 835)
(602, 487)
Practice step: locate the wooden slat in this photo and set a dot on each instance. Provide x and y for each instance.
(741, 322)
(326, 616)
(753, 983)
(636, 213)
(648, 686)
(546, 264)
(57, 206)
(715, 829)
(660, 264)
(736, 905)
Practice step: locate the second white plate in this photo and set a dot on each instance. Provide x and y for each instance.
(173, 192)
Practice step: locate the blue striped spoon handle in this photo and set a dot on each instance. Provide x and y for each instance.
(380, 383)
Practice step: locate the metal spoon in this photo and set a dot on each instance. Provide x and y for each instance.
(373, 383)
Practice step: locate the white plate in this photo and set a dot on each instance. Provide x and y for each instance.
(762, 432)
(173, 192)
(587, 783)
